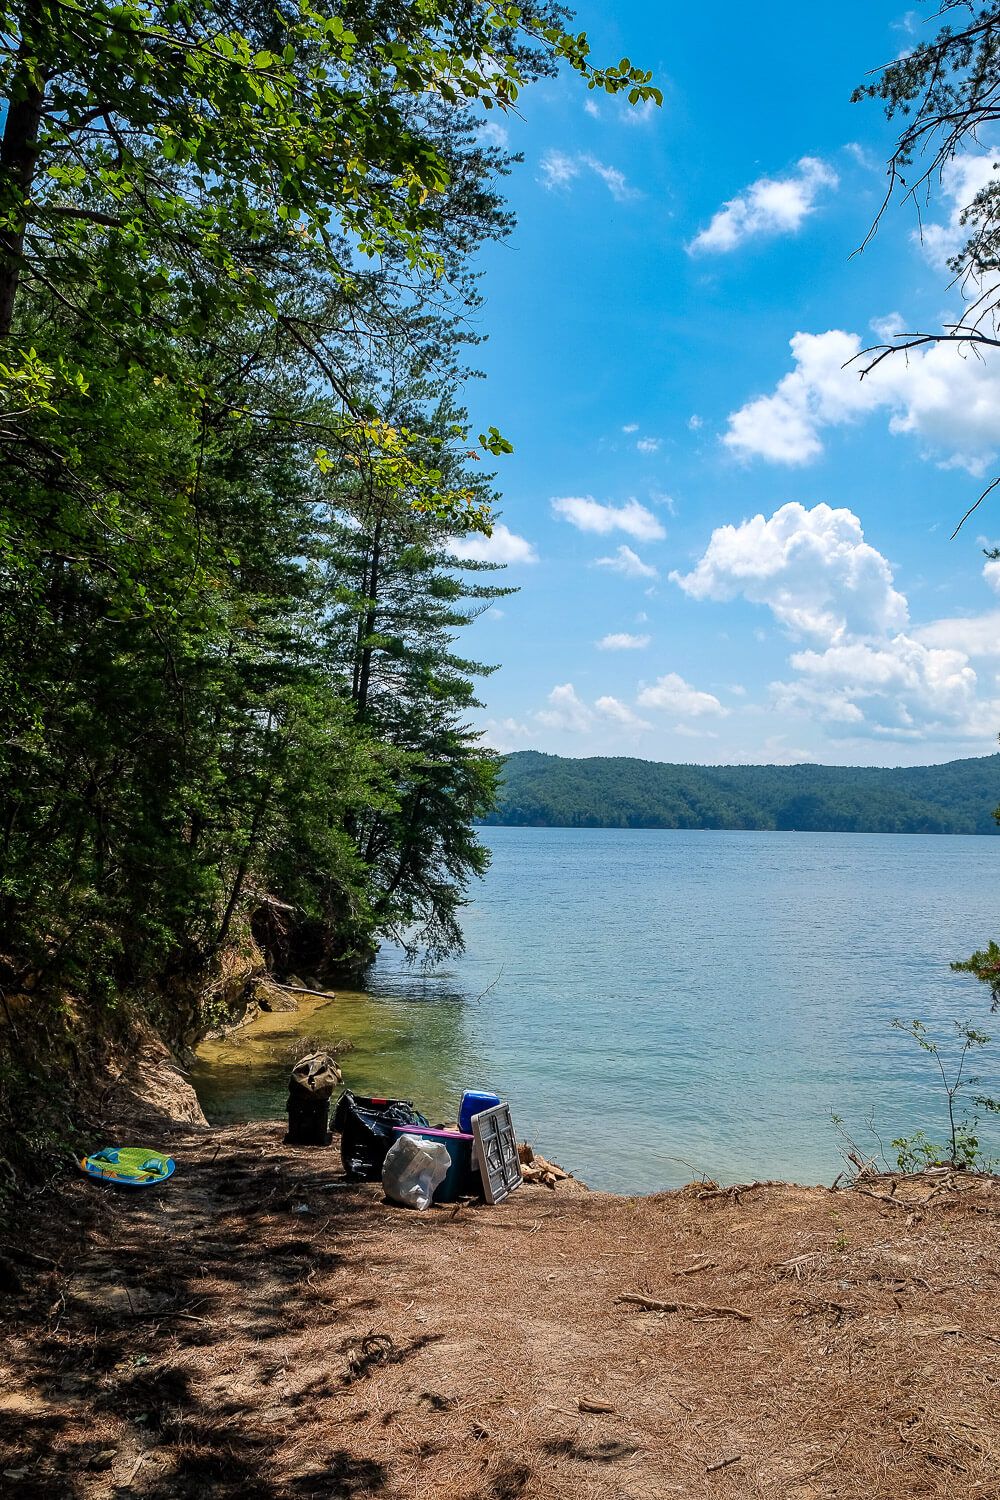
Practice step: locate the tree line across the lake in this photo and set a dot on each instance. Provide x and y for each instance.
(539, 790)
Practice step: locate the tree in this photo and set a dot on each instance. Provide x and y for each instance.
(222, 228)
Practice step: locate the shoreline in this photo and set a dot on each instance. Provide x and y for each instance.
(261, 1328)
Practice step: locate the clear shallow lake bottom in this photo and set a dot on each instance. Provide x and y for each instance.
(664, 1003)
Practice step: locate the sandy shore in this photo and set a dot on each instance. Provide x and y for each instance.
(262, 1328)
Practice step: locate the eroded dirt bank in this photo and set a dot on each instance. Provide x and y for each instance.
(261, 1328)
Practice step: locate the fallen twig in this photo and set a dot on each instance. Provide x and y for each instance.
(723, 1463)
(733, 1191)
(705, 1310)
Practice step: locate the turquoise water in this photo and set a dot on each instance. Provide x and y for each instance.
(661, 1003)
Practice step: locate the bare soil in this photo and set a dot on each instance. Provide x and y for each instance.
(260, 1328)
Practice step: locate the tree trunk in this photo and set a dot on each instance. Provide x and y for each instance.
(367, 625)
(18, 154)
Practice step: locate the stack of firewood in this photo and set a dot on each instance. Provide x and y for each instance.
(536, 1169)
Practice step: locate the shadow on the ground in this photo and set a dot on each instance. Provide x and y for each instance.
(147, 1289)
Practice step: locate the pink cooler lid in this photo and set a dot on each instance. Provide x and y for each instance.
(447, 1135)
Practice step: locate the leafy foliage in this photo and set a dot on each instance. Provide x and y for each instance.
(961, 1149)
(230, 236)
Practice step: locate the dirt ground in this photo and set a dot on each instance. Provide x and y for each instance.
(260, 1328)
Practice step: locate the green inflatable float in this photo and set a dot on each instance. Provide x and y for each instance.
(128, 1166)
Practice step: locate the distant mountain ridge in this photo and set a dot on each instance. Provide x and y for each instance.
(553, 791)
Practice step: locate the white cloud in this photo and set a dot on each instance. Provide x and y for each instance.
(620, 713)
(568, 712)
(638, 114)
(940, 394)
(991, 572)
(648, 445)
(559, 170)
(694, 422)
(615, 181)
(897, 688)
(975, 635)
(492, 133)
(506, 734)
(631, 427)
(591, 108)
(961, 179)
(504, 546)
(622, 641)
(866, 673)
(812, 569)
(771, 205)
(588, 514)
(679, 697)
(863, 156)
(627, 562)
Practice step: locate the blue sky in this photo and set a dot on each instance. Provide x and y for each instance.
(729, 549)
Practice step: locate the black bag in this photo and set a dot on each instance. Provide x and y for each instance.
(366, 1131)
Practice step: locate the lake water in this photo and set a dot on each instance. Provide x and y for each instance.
(656, 1004)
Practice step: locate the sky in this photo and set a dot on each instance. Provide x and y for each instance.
(727, 547)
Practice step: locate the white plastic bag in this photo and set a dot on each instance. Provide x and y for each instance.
(413, 1168)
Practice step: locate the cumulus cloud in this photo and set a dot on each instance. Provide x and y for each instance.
(504, 546)
(939, 394)
(588, 514)
(628, 563)
(974, 635)
(991, 572)
(771, 205)
(898, 688)
(866, 672)
(631, 427)
(671, 692)
(812, 569)
(961, 179)
(622, 641)
(558, 170)
(648, 444)
(567, 711)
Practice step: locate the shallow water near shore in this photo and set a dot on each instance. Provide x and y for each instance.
(663, 1003)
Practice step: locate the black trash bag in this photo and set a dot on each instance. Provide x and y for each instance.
(366, 1131)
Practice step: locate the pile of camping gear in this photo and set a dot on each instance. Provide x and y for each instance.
(419, 1163)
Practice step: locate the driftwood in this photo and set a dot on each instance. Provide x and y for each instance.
(303, 989)
(310, 1084)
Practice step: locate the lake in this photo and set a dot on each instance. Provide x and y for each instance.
(656, 1004)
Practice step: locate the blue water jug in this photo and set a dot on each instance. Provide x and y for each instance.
(473, 1102)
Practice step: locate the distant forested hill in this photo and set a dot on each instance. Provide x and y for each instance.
(615, 792)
